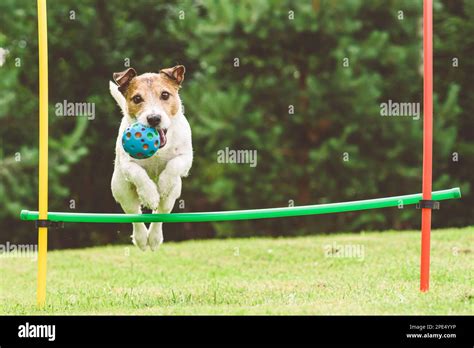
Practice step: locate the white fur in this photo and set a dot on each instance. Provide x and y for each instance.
(154, 182)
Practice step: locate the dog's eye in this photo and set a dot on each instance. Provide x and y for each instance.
(165, 95)
(137, 99)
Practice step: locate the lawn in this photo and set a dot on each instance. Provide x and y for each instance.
(379, 274)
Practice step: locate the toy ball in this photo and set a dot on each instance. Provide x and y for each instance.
(140, 141)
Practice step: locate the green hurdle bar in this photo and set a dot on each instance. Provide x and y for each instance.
(245, 214)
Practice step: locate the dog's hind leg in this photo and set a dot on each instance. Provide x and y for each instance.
(140, 232)
(125, 194)
(155, 231)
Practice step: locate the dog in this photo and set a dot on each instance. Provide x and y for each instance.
(155, 183)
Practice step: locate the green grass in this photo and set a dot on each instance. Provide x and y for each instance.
(251, 276)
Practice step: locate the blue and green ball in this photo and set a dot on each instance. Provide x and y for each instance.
(140, 141)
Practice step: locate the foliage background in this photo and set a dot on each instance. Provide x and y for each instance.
(282, 62)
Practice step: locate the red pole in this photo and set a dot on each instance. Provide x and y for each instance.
(427, 141)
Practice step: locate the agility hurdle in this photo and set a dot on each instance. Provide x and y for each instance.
(427, 200)
(233, 215)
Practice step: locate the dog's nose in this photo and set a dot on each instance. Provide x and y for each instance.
(154, 120)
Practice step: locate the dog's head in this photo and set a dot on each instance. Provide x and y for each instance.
(152, 98)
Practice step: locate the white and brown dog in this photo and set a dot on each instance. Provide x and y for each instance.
(155, 182)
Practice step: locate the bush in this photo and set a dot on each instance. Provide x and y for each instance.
(300, 82)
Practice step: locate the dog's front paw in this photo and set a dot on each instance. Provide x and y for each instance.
(169, 185)
(149, 197)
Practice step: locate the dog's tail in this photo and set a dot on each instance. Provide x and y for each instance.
(119, 98)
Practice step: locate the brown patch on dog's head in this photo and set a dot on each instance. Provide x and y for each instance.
(150, 92)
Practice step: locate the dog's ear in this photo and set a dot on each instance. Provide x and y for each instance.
(175, 73)
(123, 78)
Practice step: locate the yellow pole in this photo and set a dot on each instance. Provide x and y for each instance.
(43, 151)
